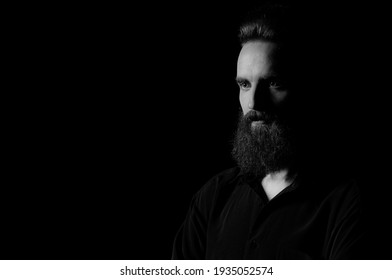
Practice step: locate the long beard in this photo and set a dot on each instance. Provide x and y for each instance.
(263, 148)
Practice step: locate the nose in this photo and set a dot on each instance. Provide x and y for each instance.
(259, 98)
(251, 101)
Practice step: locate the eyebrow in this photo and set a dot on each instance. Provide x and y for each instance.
(239, 79)
(271, 77)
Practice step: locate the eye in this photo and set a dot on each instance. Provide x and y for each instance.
(277, 84)
(243, 84)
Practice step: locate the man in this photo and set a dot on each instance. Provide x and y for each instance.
(275, 204)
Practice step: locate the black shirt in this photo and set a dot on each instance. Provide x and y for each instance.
(232, 218)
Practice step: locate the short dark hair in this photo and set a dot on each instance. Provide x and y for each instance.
(271, 22)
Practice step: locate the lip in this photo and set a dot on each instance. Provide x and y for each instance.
(255, 116)
(257, 123)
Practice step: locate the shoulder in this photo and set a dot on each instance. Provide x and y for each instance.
(330, 184)
(343, 188)
(220, 181)
(345, 196)
(337, 192)
(219, 185)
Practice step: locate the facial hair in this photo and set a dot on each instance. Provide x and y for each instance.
(264, 147)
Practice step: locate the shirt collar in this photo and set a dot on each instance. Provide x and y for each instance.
(255, 184)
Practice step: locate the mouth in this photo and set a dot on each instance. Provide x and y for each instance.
(258, 119)
(257, 124)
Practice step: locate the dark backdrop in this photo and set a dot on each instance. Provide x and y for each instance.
(125, 112)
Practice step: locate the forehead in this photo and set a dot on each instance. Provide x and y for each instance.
(257, 58)
(258, 52)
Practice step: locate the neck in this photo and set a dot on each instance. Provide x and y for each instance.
(274, 183)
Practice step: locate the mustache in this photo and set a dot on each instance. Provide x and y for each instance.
(252, 116)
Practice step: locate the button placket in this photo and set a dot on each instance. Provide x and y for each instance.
(254, 244)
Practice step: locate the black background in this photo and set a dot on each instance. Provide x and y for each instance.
(120, 114)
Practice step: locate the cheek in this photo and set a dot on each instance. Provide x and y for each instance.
(279, 97)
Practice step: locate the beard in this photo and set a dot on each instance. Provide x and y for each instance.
(263, 147)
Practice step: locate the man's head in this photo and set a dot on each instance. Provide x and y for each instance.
(264, 140)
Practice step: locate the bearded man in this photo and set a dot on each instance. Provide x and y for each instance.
(270, 206)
